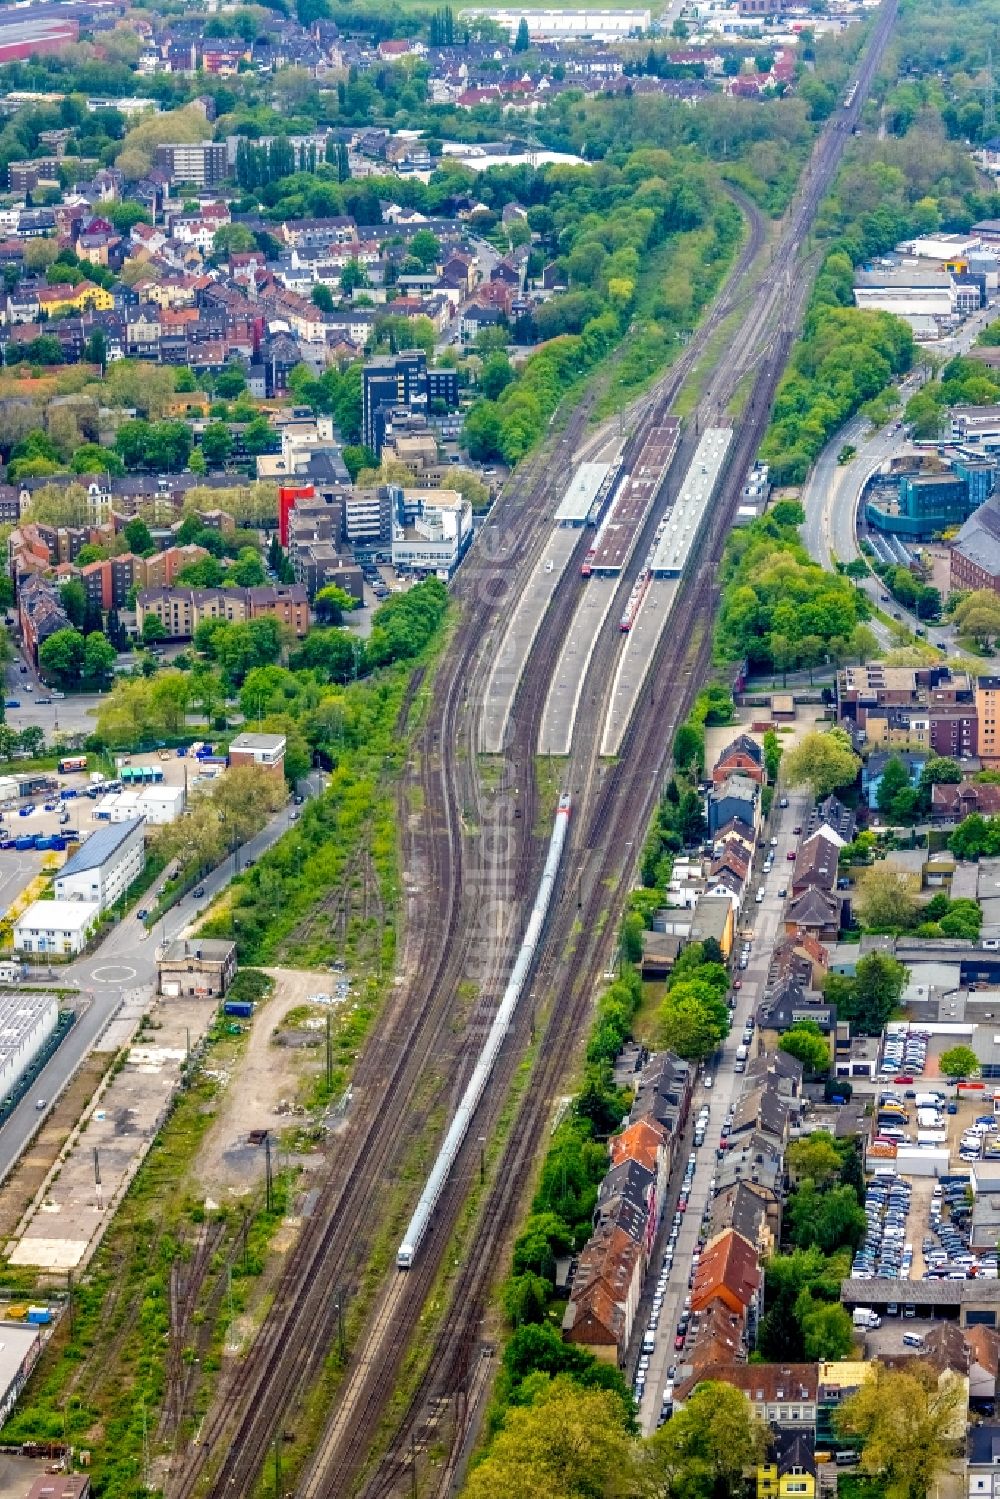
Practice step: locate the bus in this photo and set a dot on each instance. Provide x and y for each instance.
(72, 762)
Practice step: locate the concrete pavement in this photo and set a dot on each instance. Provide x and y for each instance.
(123, 966)
(766, 920)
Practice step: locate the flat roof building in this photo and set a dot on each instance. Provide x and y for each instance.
(267, 750)
(692, 503)
(197, 967)
(20, 1345)
(607, 25)
(105, 866)
(26, 1023)
(59, 928)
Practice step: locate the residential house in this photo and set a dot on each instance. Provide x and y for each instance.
(729, 1271)
(782, 1395)
(953, 802)
(737, 796)
(815, 913)
(789, 1471)
(743, 756)
(982, 1461)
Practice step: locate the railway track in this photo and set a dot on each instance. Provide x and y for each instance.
(301, 1326)
(621, 804)
(265, 1392)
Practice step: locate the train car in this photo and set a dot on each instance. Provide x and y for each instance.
(587, 565)
(483, 1069)
(635, 599)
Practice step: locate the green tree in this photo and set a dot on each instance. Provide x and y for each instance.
(689, 1026)
(707, 1447)
(138, 536)
(807, 1044)
(216, 445)
(909, 1423)
(425, 247)
(98, 659)
(886, 899)
(870, 999)
(522, 37)
(60, 657)
(824, 762)
(322, 297)
(153, 629)
(248, 569)
(830, 1218)
(332, 603)
(525, 1298)
(230, 383)
(959, 1061)
(827, 1330)
(978, 615)
(91, 458)
(689, 747)
(73, 597)
(895, 778)
(814, 1157)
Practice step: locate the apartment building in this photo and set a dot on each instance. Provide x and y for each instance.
(182, 610)
(203, 165)
(988, 714)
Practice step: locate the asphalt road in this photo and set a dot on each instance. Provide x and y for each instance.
(123, 965)
(832, 492)
(73, 714)
(767, 923)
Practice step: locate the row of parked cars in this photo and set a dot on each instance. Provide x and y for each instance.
(885, 1252)
(904, 1052)
(946, 1251)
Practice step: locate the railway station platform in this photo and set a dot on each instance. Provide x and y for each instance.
(638, 649)
(555, 734)
(519, 637)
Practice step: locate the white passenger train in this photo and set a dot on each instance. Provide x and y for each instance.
(491, 1047)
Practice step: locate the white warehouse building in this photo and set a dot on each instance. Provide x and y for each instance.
(26, 1023)
(61, 928)
(107, 864)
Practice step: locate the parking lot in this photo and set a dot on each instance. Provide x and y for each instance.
(73, 805)
(918, 1220)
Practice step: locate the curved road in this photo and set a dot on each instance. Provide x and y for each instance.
(832, 491)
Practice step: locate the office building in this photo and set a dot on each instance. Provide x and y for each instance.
(60, 928)
(105, 866)
(402, 381)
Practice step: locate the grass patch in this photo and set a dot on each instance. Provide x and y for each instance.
(645, 1027)
(550, 777)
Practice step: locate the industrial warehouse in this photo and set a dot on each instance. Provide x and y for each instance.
(26, 1023)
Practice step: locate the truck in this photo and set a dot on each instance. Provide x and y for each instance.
(929, 1100)
(928, 1118)
(865, 1317)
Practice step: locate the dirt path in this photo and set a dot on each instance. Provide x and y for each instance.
(267, 1076)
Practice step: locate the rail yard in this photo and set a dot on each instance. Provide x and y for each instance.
(475, 861)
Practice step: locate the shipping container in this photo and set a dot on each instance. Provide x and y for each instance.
(24, 843)
(241, 1007)
(40, 1316)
